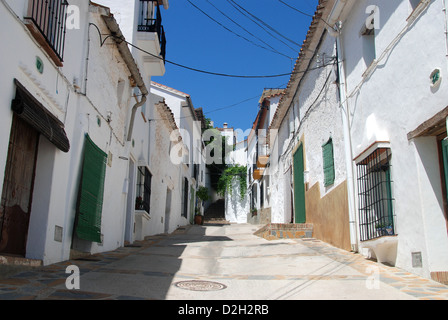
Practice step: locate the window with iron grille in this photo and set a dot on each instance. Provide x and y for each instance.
(143, 196)
(185, 187)
(376, 213)
(48, 21)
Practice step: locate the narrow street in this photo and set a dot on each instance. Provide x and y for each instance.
(231, 262)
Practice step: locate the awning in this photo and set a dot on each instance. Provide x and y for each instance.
(27, 107)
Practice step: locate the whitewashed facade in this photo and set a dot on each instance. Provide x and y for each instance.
(84, 85)
(396, 97)
(188, 155)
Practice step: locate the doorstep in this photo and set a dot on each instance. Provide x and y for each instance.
(19, 261)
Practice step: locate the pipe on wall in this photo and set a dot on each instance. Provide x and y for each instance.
(336, 32)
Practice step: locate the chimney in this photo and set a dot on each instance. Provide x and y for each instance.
(225, 125)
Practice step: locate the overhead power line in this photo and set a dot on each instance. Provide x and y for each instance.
(295, 9)
(222, 74)
(257, 21)
(102, 41)
(303, 13)
(243, 28)
(238, 35)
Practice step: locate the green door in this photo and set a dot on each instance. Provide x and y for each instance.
(299, 186)
(445, 163)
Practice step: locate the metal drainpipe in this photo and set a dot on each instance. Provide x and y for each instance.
(446, 24)
(348, 142)
(134, 111)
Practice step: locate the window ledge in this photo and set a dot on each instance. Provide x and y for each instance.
(366, 152)
(142, 214)
(384, 248)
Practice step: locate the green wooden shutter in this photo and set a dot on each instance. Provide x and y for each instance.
(328, 161)
(92, 191)
(445, 163)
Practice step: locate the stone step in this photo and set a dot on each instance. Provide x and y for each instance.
(19, 261)
(274, 231)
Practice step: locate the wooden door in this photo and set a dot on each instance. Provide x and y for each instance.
(299, 186)
(18, 184)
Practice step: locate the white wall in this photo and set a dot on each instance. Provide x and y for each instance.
(393, 101)
(58, 174)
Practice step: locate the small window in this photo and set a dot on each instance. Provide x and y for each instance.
(143, 196)
(185, 187)
(328, 163)
(368, 43)
(376, 214)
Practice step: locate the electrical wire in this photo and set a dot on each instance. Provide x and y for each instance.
(217, 73)
(243, 28)
(295, 9)
(238, 35)
(246, 13)
(303, 13)
(102, 42)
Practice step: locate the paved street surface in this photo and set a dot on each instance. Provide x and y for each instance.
(235, 264)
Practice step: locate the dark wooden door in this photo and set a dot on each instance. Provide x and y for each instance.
(18, 184)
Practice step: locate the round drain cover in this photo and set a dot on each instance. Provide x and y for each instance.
(200, 285)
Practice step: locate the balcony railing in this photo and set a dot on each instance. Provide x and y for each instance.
(150, 20)
(49, 18)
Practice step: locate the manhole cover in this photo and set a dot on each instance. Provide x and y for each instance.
(200, 285)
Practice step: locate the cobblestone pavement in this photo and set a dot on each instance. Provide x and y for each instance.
(230, 256)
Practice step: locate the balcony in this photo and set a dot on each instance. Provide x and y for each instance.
(262, 154)
(262, 161)
(151, 37)
(258, 174)
(46, 22)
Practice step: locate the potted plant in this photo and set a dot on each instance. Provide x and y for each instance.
(384, 228)
(198, 218)
(139, 203)
(254, 212)
(389, 229)
(202, 193)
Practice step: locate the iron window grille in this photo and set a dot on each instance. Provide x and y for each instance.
(376, 212)
(49, 17)
(143, 197)
(185, 187)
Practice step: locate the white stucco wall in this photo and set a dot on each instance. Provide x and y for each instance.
(394, 100)
(58, 174)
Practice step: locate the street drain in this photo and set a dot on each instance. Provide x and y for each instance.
(200, 285)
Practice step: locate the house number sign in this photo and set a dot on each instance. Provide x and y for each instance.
(39, 65)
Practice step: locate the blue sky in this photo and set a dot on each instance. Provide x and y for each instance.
(196, 41)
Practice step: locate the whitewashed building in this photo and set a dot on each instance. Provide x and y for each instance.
(72, 89)
(308, 156)
(394, 57)
(188, 155)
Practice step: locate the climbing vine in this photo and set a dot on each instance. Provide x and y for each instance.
(230, 173)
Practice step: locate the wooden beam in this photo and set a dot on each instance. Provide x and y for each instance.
(432, 126)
